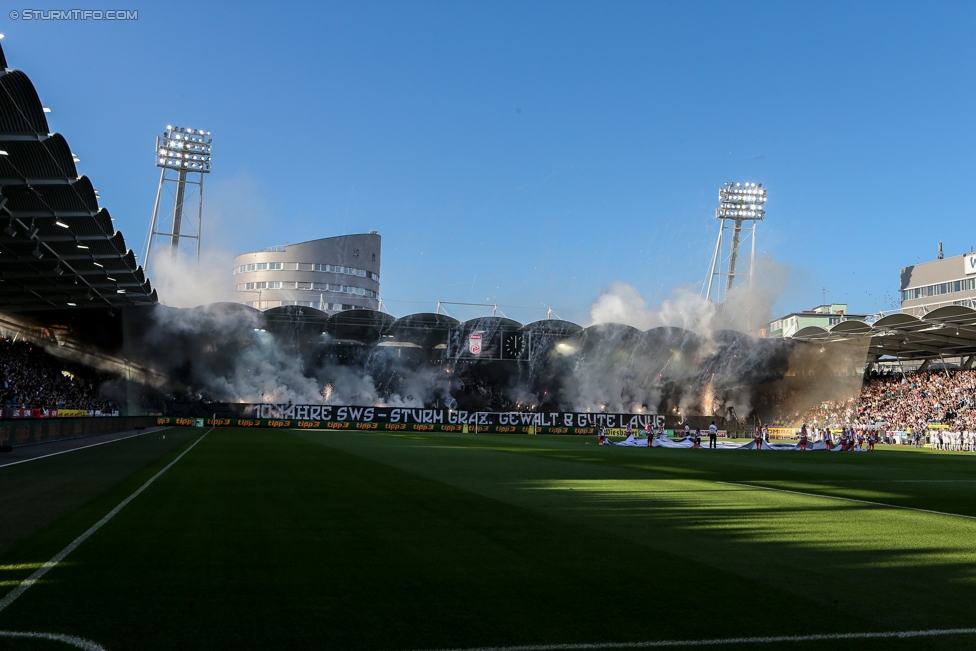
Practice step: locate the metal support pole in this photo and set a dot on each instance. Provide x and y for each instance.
(152, 224)
(752, 257)
(178, 212)
(733, 255)
(200, 222)
(715, 260)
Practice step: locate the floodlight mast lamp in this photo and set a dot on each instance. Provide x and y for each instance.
(739, 204)
(184, 151)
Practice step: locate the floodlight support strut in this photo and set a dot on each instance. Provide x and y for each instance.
(152, 223)
(714, 269)
(175, 234)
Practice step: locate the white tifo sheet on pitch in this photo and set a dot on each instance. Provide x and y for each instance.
(633, 442)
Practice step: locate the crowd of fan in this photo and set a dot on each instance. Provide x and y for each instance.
(905, 402)
(34, 379)
(776, 407)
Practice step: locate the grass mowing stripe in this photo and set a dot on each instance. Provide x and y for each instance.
(44, 569)
(731, 640)
(847, 499)
(85, 447)
(77, 642)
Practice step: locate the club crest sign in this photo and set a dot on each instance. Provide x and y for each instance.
(474, 343)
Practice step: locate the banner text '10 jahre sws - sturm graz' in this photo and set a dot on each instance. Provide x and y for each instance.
(410, 415)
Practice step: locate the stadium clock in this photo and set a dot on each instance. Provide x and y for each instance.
(513, 345)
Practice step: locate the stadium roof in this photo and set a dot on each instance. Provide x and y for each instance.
(946, 332)
(427, 330)
(58, 248)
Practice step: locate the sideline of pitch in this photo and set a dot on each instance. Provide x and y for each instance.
(847, 499)
(718, 642)
(77, 642)
(150, 430)
(46, 567)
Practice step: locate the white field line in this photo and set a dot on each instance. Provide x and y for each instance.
(847, 499)
(44, 569)
(78, 642)
(719, 642)
(84, 447)
(864, 481)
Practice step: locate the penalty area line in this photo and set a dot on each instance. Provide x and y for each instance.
(846, 499)
(71, 640)
(46, 567)
(716, 642)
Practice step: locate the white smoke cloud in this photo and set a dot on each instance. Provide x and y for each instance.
(632, 383)
(240, 362)
(235, 219)
(180, 282)
(746, 309)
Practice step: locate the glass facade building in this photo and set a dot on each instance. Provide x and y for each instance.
(332, 274)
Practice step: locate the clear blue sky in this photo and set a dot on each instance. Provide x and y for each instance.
(531, 153)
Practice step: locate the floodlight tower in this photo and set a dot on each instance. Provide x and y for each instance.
(184, 151)
(739, 204)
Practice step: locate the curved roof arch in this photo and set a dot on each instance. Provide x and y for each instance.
(852, 326)
(811, 333)
(296, 310)
(427, 320)
(553, 327)
(952, 314)
(63, 200)
(610, 335)
(425, 329)
(898, 322)
(20, 107)
(490, 323)
(58, 249)
(671, 332)
(297, 314)
(36, 161)
(363, 326)
(611, 329)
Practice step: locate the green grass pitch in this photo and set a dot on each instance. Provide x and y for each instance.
(270, 539)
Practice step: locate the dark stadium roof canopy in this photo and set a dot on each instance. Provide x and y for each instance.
(297, 314)
(945, 332)
(426, 330)
(553, 328)
(58, 248)
(363, 326)
(490, 323)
